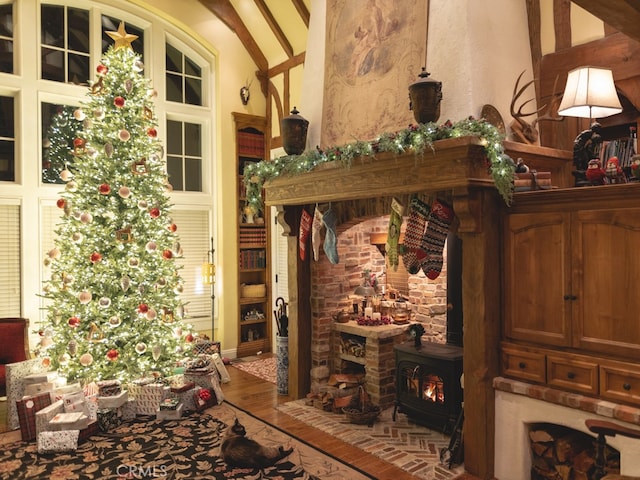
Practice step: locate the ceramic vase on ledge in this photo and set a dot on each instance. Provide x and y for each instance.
(282, 364)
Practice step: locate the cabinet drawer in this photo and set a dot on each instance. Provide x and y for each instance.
(620, 382)
(523, 364)
(572, 374)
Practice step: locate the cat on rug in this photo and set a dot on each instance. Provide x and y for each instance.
(239, 451)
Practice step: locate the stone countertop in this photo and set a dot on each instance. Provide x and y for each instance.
(368, 331)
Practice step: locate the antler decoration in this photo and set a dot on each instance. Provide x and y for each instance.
(523, 131)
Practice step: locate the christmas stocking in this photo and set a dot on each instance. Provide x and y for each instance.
(413, 255)
(330, 239)
(395, 222)
(438, 223)
(316, 226)
(303, 235)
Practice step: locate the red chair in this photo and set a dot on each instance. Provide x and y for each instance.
(14, 345)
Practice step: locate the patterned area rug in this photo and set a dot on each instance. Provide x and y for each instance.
(264, 368)
(187, 448)
(411, 447)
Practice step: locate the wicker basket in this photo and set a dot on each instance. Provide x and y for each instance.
(253, 291)
(360, 410)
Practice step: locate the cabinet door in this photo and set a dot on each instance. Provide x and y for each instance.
(537, 263)
(606, 249)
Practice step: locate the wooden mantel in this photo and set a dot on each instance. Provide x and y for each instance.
(456, 169)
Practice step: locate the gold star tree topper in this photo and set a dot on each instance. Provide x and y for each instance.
(122, 38)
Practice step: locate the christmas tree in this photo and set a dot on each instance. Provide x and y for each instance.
(113, 309)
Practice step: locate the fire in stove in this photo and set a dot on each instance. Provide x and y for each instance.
(433, 389)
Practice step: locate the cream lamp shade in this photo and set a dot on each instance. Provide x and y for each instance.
(590, 93)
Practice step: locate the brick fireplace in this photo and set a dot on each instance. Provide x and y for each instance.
(331, 291)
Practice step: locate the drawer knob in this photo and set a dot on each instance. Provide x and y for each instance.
(571, 375)
(570, 297)
(522, 365)
(626, 386)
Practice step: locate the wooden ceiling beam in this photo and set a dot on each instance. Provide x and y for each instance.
(228, 15)
(275, 28)
(302, 11)
(624, 15)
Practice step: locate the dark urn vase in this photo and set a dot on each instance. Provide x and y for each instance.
(425, 96)
(294, 133)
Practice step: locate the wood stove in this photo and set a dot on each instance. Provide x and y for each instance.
(428, 387)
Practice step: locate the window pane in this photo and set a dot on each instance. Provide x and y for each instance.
(6, 56)
(52, 28)
(52, 65)
(111, 24)
(60, 129)
(78, 30)
(193, 93)
(78, 69)
(193, 140)
(7, 161)
(174, 88)
(174, 137)
(193, 167)
(7, 118)
(174, 59)
(174, 171)
(191, 68)
(6, 20)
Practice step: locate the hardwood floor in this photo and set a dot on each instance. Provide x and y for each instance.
(261, 399)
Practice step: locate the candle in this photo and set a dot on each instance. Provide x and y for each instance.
(368, 311)
(376, 316)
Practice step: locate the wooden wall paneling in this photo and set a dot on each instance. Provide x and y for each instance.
(562, 23)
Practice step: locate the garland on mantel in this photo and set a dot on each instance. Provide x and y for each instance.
(415, 138)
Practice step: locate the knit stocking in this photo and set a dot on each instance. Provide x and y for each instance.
(438, 223)
(330, 239)
(395, 222)
(303, 235)
(316, 226)
(413, 255)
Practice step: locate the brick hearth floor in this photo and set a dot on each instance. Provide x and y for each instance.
(411, 447)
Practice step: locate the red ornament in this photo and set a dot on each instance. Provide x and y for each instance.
(173, 227)
(152, 132)
(61, 203)
(74, 321)
(167, 254)
(112, 355)
(95, 257)
(118, 102)
(41, 333)
(154, 212)
(143, 308)
(102, 69)
(204, 394)
(78, 142)
(104, 189)
(188, 338)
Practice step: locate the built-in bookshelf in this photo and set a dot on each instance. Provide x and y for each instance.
(254, 321)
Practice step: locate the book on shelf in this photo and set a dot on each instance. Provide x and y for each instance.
(251, 259)
(250, 144)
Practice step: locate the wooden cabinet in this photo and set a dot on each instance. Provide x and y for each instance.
(572, 265)
(254, 305)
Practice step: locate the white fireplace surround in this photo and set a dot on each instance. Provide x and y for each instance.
(515, 412)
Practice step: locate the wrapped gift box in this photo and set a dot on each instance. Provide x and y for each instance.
(220, 367)
(187, 399)
(27, 409)
(178, 384)
(208, 380)
(175, 414)
(127, 410)
(15, 374)
(61, 441)
(114, 401)
(69, 421)
(76, 402)
(44, 416)
(40, 377)
(148, 396)
(62, 390)
(92, 429)
(108, 419)
(109, 388)
(205, 347)
(204, 398)
(169, 404)
(31, 389)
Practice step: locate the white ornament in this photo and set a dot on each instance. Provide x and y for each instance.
(84, 297)
(156, 350)
(78, 114)
(72, 186)
(141, 348)
(86, 218)
(125, 283)
(115, 321)
(133, 262)
(77, 237)
(151, 314)
(104, 302)
(124, 192)
(86, 359)
(142, 204)
(64, 359)
(65, 175)
(124, 135)
(151, 246)
(98, 114)
(54, 253)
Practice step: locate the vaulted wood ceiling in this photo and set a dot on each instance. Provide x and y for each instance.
(623, 15)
